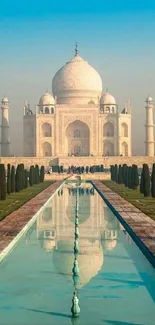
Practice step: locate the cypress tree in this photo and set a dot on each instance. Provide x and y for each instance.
(2, 182)
(12, 179)
(22, 176)
(25, 178)
(136, 177)
(31, 176)
(153, 181)
(8, 179)
(142, 182)
(120, 176)
(42, 173)
(112, 172)
(124, 173)
(17, 179)
(146, 180)
(129, 177)
(126, 176)
(132, 177)
(116, 174)
(36, 174)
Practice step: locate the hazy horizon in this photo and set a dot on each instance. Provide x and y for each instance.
(116, 39)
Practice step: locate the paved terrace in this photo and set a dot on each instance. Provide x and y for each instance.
(15, 222)
(137, 222)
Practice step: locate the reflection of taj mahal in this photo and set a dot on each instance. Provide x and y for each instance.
(78, 119)
(98, 229)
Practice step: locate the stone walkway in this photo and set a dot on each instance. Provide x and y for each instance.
(15, 222)
(141, 225)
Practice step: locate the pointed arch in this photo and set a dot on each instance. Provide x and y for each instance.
(108, 148)
(124, 148)
(78, 139)
(108, 129)
(47, 111)
(46, 130)
(46, 149)
(124, 130)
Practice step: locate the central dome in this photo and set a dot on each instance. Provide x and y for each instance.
(77, 82)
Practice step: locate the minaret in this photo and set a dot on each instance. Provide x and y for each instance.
(5, 132)
(149, 137)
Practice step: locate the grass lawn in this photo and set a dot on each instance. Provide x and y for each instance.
(146, 205)
(16, 200)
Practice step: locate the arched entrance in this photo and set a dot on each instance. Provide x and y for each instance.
(78, 139)
(46, 149)
(124, 149)
(108, 148)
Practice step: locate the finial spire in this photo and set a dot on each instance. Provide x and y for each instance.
(76, 48)
(46, 89)
(106, 90)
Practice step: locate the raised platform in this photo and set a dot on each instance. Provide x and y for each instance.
(78, 161)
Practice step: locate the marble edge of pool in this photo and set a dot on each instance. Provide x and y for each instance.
(139, 226)
(14, 226)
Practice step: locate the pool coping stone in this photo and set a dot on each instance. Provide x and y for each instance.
(14, 226)
(139, 226)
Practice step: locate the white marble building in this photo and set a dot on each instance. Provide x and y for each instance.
(78, 119)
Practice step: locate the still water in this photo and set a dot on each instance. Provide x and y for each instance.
(116, 284)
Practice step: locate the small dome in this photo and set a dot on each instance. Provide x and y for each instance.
(109, 244)
(46, 99)
(5, 100)
(49, 245)
(108, 99)
(149, 99)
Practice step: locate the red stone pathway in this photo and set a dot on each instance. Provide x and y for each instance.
(142, 225)
(15, 222)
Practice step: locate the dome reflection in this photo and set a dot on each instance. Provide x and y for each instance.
(98, 231)
(90, 259)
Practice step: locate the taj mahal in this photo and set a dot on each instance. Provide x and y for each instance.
(77, 119)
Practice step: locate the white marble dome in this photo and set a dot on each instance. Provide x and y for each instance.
(46, 99)
(78, 82)
(90, 259)
(110, 244)
(108, 99)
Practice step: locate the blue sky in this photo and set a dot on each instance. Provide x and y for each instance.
(116, 37)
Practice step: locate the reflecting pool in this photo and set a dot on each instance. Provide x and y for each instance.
(116, 283)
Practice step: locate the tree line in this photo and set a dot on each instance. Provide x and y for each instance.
(16, 179)
(86, 169)
(129, 176)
